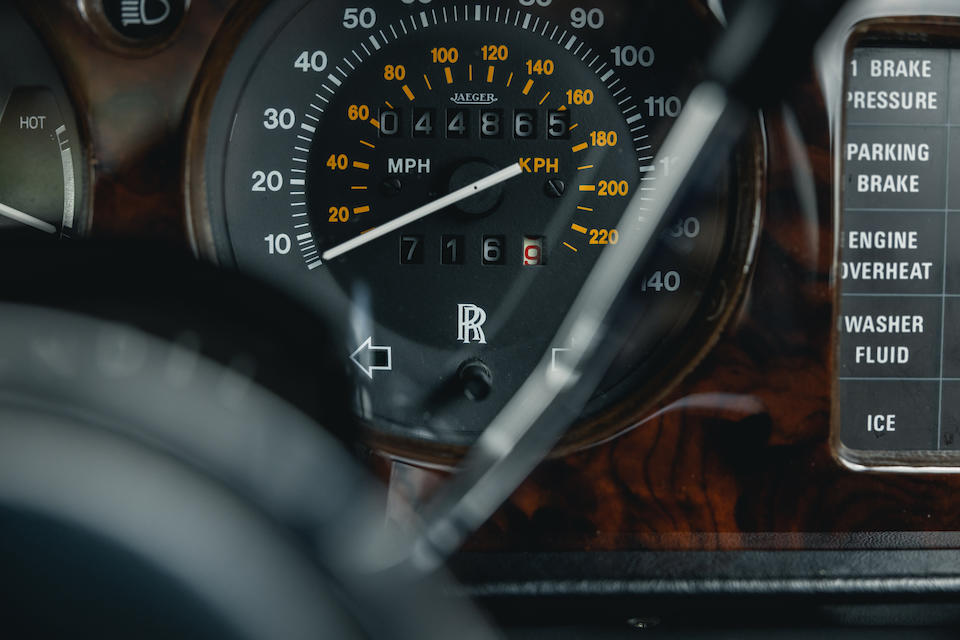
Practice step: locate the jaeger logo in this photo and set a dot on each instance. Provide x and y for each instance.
(473, 98)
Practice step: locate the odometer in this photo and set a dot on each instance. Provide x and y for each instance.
(443, 176)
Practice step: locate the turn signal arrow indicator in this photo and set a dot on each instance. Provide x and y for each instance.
(370, 358)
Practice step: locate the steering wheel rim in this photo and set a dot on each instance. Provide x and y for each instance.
(161, 453)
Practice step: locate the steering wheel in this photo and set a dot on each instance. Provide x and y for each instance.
(152, 481)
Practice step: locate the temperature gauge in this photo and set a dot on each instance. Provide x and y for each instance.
(40, 163)
(37, 180)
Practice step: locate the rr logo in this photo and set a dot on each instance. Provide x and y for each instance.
(470, 319)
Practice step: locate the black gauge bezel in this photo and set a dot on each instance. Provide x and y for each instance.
(609, 413)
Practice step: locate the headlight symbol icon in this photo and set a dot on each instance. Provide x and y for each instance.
(145, 12)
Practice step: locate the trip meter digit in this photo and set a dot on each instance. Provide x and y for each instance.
(442, 176)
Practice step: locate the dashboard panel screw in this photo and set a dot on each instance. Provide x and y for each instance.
(648, 622)
(554, 188)
(477, 380)
(391, 187)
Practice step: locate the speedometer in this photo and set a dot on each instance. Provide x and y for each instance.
(443, 175)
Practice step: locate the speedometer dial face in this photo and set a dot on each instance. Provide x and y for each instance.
(442, 176)
(403, 131)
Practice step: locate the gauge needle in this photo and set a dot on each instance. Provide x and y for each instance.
(26, 218)
(422, 212)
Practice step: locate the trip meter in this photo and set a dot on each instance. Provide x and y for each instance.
(443, 176)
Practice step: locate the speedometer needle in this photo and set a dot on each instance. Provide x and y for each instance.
(25, 218)
(422, 212)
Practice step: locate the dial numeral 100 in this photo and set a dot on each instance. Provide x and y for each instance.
(444, 55)
(630, 56)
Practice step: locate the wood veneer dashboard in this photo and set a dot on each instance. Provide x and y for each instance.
(737, 455)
